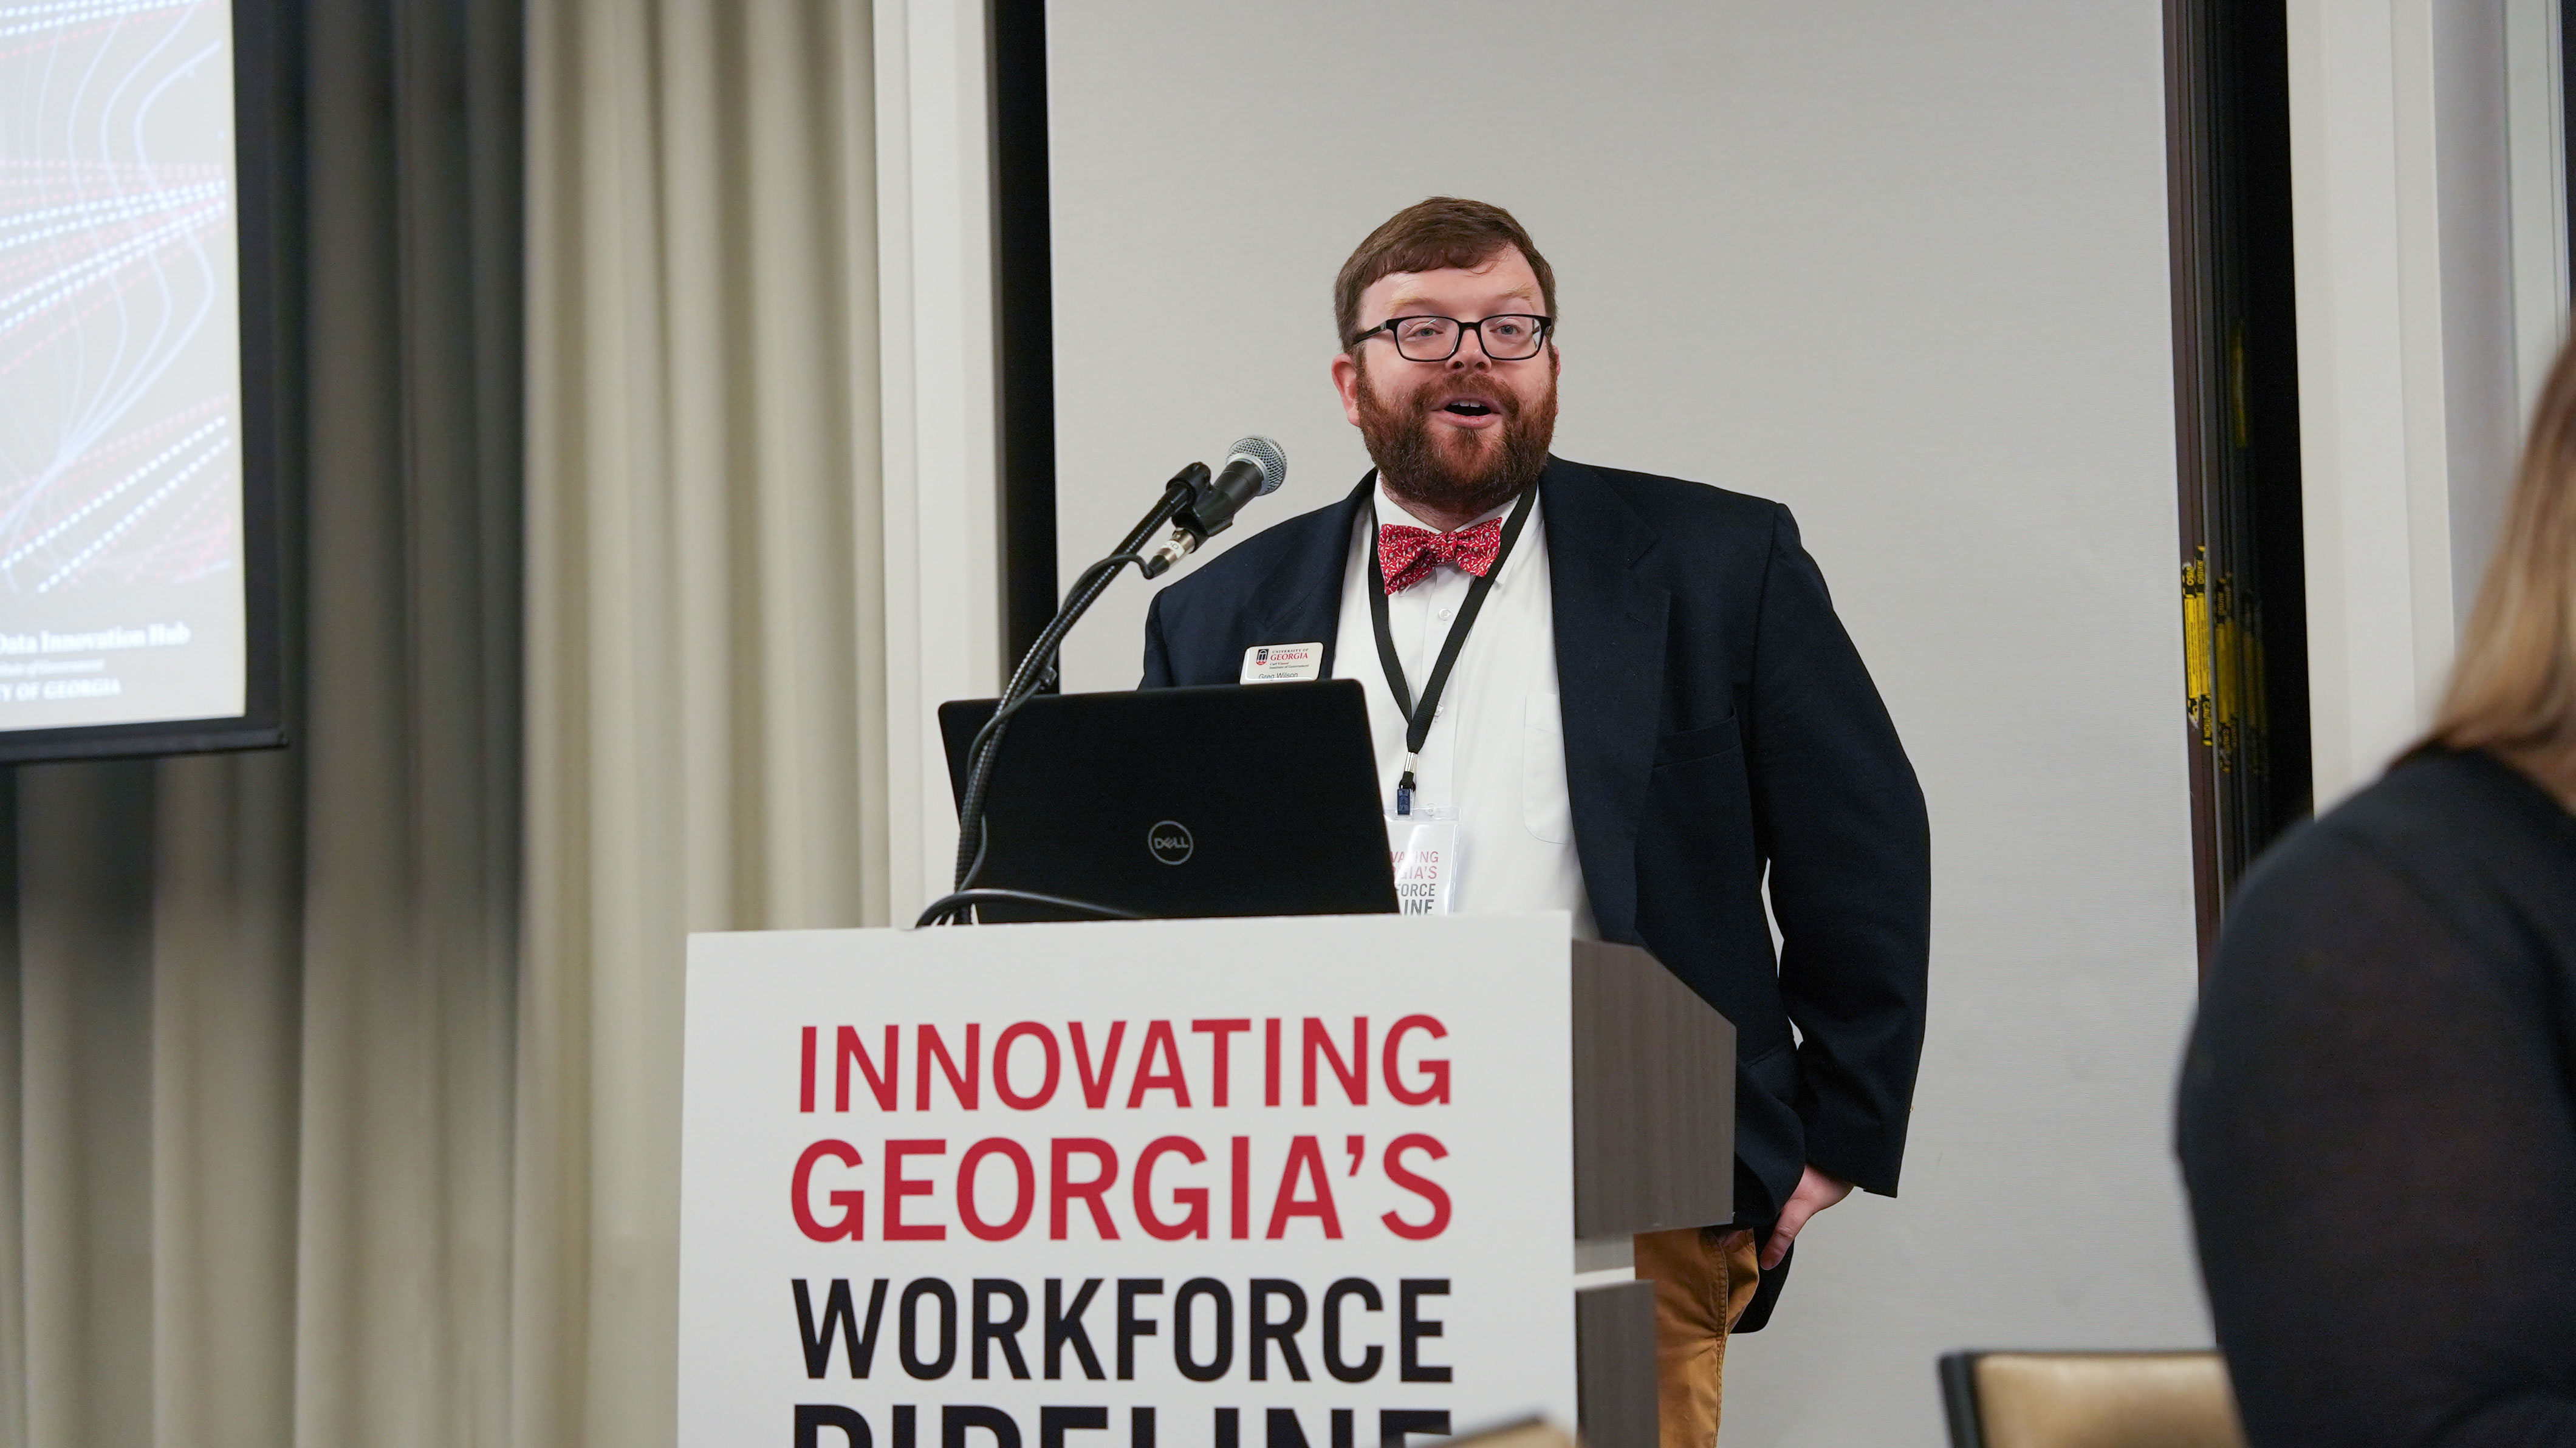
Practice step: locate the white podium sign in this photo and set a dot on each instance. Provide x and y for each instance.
(1290, 1183)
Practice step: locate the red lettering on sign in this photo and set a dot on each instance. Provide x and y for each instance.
(1423, 1187)
(1242, 1188)
(1063, 1189)
(1095, 1090)
(805, 1085)
(1437, 1072)
(1194, 1223)
(1024, 1198)
(927, 1045)
(898, 1186)
(1353, 1073)
(1002, 1067)
(800, 1195)
(1306, 1161)
(1158, 1041)
(883, 1086)
(1220, 1034)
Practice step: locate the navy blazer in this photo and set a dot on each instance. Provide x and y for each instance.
(1717, 722)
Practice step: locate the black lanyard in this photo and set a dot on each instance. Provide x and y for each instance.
(1418, 716)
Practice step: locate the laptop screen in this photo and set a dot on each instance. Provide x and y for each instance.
(1172, 803)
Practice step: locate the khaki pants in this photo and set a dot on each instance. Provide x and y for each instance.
(1704, 1279)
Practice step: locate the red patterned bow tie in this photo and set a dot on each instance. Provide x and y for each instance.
(1406, 556)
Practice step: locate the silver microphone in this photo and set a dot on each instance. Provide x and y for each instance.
(1254, 468)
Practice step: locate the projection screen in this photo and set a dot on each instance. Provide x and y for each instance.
(137, 525)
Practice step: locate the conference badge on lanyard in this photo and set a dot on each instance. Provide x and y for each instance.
(1421, 840)
(1423, 846)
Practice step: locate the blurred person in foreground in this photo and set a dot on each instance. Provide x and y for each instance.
(2378, 1108)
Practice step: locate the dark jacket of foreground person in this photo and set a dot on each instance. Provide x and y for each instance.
(2378, 1119)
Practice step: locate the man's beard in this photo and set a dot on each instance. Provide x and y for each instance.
(1465, 472)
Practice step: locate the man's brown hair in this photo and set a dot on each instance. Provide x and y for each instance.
(1444, 231)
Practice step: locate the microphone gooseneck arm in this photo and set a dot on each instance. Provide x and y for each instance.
(1036, 668)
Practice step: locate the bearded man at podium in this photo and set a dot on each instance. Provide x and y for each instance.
(1616, 694)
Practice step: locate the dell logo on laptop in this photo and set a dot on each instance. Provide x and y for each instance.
(1170, 841)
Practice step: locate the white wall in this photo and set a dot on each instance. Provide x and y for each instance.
(1901, 266)
(2536, 148)
(941, 568)
(2432, 273)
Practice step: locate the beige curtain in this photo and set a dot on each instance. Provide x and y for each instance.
(256, 1034)
(338, 1086)
(702, 571)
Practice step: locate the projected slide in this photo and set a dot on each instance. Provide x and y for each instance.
(121, 578)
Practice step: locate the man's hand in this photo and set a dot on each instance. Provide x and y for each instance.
(1816, 1191)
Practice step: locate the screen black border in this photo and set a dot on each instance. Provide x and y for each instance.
(1024, 318)
(263, 160)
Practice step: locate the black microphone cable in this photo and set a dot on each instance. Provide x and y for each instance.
(1036, 667)
(1202, 505)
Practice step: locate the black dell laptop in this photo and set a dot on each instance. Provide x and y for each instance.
(1256, 799)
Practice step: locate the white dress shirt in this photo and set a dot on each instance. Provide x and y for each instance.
(1496, 750)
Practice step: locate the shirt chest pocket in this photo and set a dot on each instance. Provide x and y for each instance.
(1546, 811)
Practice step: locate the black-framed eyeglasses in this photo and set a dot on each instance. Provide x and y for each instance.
(1437, 339)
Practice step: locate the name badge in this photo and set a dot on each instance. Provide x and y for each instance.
(1423, 849)
(1282, 663)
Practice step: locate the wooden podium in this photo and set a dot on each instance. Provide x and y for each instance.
(1654, 1148)
(1300, 1183)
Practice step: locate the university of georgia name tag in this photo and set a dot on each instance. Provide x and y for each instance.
(1423, 848)
(1282, 663)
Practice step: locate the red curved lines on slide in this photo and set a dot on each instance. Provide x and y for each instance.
(118, 265)
(58, 492)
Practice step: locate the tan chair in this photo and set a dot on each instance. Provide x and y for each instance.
(2089, 1400)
